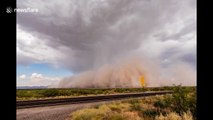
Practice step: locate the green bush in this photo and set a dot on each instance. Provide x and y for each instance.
(160, 104)
(182, 100)
(28, 94)
(151, 113)
(135, 105)
(50, 93)
(192, 104)
(23, 94)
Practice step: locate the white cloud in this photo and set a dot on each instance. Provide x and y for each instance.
(22, 76)
(37, 79)
(32, 49)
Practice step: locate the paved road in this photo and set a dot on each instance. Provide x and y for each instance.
(60, 112)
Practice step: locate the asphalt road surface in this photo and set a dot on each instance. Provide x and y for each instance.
(59, 112)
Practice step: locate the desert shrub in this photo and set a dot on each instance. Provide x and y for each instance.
(179, 100)
(23, 94)
(182, 101)
(118, 106)
(86, 114)
(170, 116)
(192, 104)
(151, 113)
(96, 106)
(131, 115)
(102, 113)
(178, 106)
(135, 105)
(116, 116)
(174, 116)
(187, 116)
(133, 101)
(65, 92)
(115, 107)
(160, 104)
(50, 93)
(28, 94)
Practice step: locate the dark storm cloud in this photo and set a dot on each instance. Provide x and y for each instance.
(190, 59)
(189, 28)
(98, 32)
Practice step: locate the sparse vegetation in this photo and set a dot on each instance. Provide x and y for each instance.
(50, 93)
(30, 94)
(179, 106)
(181, 101)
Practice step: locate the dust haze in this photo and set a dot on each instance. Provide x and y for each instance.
(112, 43)
(126, 74)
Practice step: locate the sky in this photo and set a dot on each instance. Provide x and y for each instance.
(69, 37)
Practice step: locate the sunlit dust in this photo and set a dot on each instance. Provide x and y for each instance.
(142, 81)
